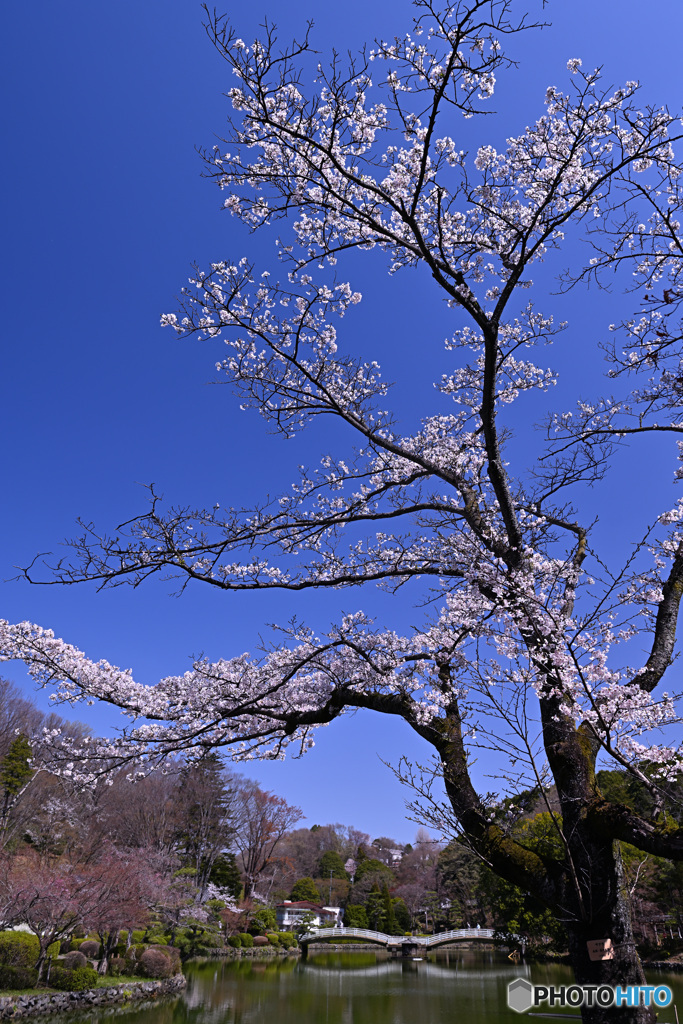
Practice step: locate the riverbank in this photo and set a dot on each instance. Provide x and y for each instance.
(34, 1004)
(241, 952)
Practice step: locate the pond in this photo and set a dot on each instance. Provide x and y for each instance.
(353, 988)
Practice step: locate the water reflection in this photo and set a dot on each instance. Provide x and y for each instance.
(348, 988)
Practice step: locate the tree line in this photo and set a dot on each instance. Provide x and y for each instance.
(197, 855)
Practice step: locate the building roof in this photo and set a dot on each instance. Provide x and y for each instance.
(307, 905)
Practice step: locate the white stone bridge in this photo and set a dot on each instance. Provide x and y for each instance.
(408, 945)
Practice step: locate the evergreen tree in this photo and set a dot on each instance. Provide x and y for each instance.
(204, 814)
(402, 915)
(390, 922)
(226, 875)
(15, 774)
(332, 866)
(375, 909)
(355, 916)
(305, 889)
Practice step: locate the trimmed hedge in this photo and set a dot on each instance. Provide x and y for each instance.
(19, 949)
(117, 966)
(90, 949)
(235, 941)
(273, 938)
(17, 977)
(247, 940)
(173, 955)
(73, 960)
(155, 964)
(78, 980)
(133, 953)
(22, 949)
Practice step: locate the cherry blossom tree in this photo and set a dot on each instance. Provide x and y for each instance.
(528, 644)
(123, 889)
(52, 898)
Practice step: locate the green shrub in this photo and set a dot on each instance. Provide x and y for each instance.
(19, 949)
(262, 920)
(61, 979)
(137, 937)
(133, 953)
(273, 938)
(247, 939)
(117, 965)
(17, 977)
(192, 943)
(235, 941)
(78, 980)
(287, 939)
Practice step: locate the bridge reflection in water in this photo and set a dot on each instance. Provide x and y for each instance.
(404, 945)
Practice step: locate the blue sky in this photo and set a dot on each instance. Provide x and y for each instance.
(104, 212)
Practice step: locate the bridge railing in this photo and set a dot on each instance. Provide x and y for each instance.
(456, 935)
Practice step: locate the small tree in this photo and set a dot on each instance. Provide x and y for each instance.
(128, 889)
(52, 899)
(305, 923)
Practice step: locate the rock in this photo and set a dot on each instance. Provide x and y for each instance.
(24, 1006)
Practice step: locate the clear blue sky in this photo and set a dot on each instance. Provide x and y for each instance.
(104, 212)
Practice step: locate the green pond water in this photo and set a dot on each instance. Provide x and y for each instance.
(353, 988)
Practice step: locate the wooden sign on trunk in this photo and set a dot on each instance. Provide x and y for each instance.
(600, 949)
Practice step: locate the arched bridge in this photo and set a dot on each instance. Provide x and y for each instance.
(403, 943)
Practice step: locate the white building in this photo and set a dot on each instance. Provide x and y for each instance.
(291, 913)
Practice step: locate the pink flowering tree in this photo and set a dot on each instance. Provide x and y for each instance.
(528, 649)
(52, 898)
(122, 890)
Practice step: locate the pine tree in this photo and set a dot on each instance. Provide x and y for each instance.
(390, 922)
(15, 774)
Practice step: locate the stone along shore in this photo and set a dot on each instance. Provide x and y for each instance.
(12, 1007)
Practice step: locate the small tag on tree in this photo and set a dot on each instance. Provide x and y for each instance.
(600, 949)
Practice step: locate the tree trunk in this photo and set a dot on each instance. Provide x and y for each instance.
(109, 941)
(602, 911)
(40, 963)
